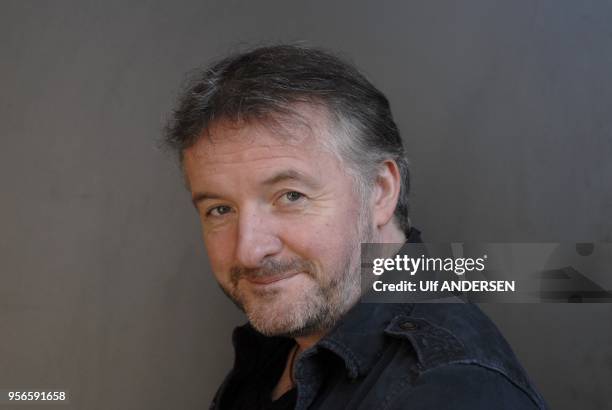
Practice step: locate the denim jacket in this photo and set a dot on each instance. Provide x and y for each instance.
(397, 356)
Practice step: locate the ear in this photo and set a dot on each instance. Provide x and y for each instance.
(386, 193)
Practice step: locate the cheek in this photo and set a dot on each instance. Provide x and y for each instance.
(322, 241)
(219, 248)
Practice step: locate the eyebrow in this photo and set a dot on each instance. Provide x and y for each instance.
(291, 175)
(286, 175)
(201, 196)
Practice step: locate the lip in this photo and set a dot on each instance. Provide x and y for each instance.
(266, 280)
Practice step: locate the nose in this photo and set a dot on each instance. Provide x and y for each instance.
(257, 238)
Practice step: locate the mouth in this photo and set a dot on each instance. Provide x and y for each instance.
(268, 279)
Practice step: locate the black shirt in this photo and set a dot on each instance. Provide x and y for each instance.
(255, 392)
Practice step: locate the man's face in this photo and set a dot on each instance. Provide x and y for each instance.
(281, 223)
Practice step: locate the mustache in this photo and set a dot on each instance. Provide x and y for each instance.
(270, 267)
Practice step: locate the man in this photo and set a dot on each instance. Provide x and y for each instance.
(293, 160)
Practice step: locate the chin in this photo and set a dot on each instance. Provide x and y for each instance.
(284, 315)
(272, 318)
(269, 327)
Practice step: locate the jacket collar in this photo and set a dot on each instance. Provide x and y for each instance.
(359, 337)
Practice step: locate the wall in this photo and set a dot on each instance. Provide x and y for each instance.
(105, 290)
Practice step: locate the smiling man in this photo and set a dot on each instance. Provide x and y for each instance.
(293, 160)
(272, 207)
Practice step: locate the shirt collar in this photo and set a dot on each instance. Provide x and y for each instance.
(359, 337)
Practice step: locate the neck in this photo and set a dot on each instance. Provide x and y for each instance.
(306, 342)
(390, 233)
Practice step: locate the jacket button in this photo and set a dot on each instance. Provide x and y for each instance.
(408, 326)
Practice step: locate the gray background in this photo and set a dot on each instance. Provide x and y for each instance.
(105, 291)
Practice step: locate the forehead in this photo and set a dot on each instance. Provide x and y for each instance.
(234, 154)
(304, 135)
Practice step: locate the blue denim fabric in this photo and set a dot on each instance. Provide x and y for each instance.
(400, 356)
(397, 356)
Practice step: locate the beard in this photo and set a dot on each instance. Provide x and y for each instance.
(316, 303)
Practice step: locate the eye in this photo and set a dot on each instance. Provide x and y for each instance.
(293, 196)
(290, 199)
(218, 211)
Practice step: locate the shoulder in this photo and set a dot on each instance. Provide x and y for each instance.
(457, 348)
(461, 386)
